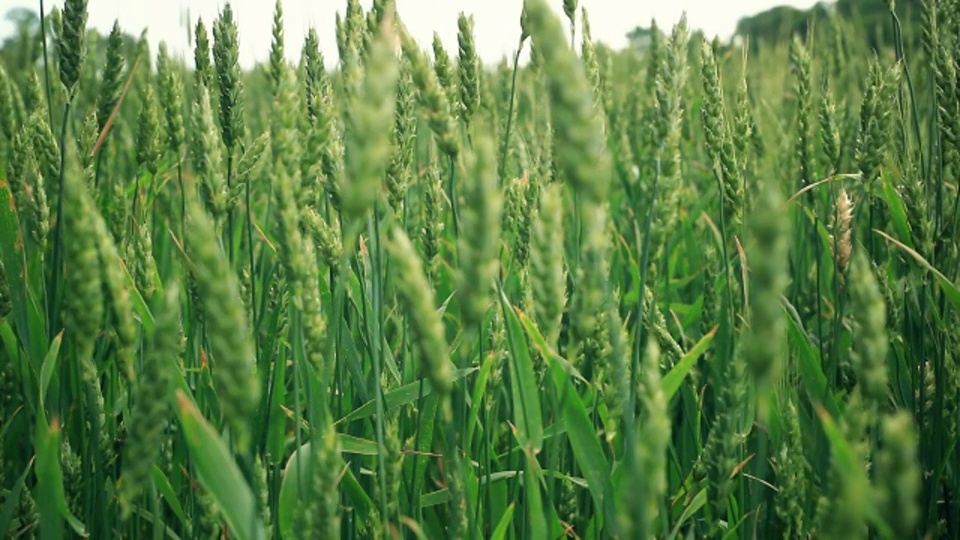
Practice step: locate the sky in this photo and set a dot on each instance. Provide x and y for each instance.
(496, 22)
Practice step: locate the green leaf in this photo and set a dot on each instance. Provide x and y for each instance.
(139, 304)
(695, 505)
(811, 372)
(9, 339)
(397, 397)
(672, 380)
(352, 359)
(435, 498)
(356, 445)
(479, 389)
(355, 494)
(846, 461)
(584, 440)
(419, 462)
(50, 491)
(219, 474)
(51, 496)
(531, 483)
(950, 290)
(277, 431)
(49, 366)
(166, 490)
(538, 341)
(297, 470)
(523, 382)
(898, 212)
(503, 526)
(13, 498)
(853, 474)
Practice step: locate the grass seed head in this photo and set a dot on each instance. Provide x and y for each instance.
(151, 409)
(417, 296)
(8, 116)
(370, 119)
(400, 171)
(203, 71)
(149, 141)
(548, 278)
(580, 148)
(480, 239)
(234, 363)
(171, 100)
(226, 57)
(111, 83)
(870, 341)
(47, 152)
(433, 97)
(469, 69)
(71, 45)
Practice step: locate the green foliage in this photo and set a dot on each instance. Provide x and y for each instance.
(685, 289)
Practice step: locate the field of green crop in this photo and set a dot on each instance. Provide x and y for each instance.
(689, 289)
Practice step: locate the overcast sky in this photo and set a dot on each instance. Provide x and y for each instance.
(497, 25)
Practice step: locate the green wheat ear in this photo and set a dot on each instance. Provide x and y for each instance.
(719, 139)
(26, 187)
(47, 151)
(226, 53)
(149, 142)
(277, 59)
(480, 242)
(8, 116)
(899, 474)
(767, 256)
(111, 84)
(801, 64)
(171, 100)
(119, 300)
(83, 307)
(400, 171)
(548, 277)
(443, 66)
(203, 72)
(231, 348)
(433, 216)
(33, 96)
(469, 67)
(206, 154)
(71, 45)
(369, 121)
(150, 412)
(298, 256)
(792, 474)
(579, 143)
(433, 98)
(417, 297)
(870, 341)
(654, 440)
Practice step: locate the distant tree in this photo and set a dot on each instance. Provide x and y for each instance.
(779, 24)
(874, 17)
(23, 48)
(639, 38)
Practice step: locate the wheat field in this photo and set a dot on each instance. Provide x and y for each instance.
(689, 289)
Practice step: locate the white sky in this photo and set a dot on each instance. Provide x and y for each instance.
(497, 25)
